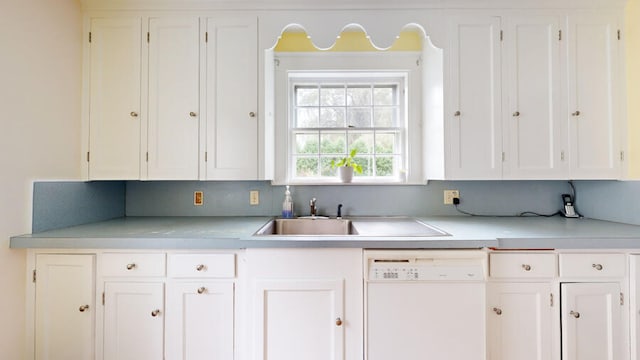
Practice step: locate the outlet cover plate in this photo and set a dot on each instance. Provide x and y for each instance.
(449, 195)
(254, 197)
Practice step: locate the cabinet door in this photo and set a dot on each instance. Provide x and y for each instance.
(635, 306)
(534, 132)
(594, 109)
(174, 118)
(232, 99)
(473, 121)
(114, 98)
(306, 304)
(592, 327)
(64, 307)
(199, 321)
(520, 321)
(300, 319)
(133, 320)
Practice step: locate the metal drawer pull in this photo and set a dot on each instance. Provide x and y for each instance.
(252, 114)
(131, 266)
(526, 267)
(457, 113)
(338, 322)
(575, 314)
(202, 290)
(597, 266)
(497, 311)
(201, 267)
(155, 312)
(517, 113)
(192, 114)
(577, 113)
(133, 114)
(83, 308)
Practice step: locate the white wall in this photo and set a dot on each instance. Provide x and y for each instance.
(40, 67)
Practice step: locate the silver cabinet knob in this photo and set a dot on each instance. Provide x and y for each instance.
(131, 266)
(498, 311)
(133, 114)
(517, 113)
(526, 267)
(577, 113)
(598, 267)
(202, 290)
(155, 312)
(575, 314)
(201, 267)
(83, 308)
(252, 114)
(457, 113)
(192, 114)
(338, 322)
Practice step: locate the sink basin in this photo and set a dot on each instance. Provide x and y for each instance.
(308, 226)
(363, 226)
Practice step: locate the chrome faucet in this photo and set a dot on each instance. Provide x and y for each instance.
(339, 215)
(312, 206)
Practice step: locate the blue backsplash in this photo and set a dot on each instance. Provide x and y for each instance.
(61, 204)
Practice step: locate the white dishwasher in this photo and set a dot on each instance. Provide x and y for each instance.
(425, 304)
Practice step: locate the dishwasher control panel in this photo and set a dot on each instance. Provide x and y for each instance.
(426, 271)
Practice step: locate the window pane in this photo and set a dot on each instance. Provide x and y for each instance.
(332, 117)
(332, 96)
(325, 166)
(358, 96)
(362, 142)
(332, 143)
(306, 166)
(367, 165)
(307, 117)
(306, 143)
(359, 117)
(307, 96)
(384, 96)
(384, 117)
(385, 143)
(384, 166)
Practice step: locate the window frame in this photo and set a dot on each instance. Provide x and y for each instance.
(346, 79)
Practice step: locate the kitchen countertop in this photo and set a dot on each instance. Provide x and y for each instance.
(237, 233)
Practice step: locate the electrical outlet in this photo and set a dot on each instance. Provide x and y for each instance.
(254, 197)
(198, 198)
(449, 195)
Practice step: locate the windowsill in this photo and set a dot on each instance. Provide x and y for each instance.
(355, 182)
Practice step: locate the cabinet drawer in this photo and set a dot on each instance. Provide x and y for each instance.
(592, 265)
(133, 265)
(525, 265)
(202, 265)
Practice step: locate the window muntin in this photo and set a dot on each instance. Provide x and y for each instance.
(331, 116)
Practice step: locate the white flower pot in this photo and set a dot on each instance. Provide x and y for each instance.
(345, 173)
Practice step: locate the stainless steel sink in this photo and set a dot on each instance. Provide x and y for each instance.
(363, 226)
(308, 226)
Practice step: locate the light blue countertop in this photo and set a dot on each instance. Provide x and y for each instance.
(237, 233)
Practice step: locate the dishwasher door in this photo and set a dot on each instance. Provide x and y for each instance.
(438, 315)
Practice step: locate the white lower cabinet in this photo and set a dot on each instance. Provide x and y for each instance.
(305, 304)
(64, 307)
(520, 321)
(199, 320)
(133, 320)
(592, 327)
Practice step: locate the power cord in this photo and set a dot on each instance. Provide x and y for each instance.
(456, 202)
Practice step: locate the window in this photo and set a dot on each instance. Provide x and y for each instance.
(334, 113)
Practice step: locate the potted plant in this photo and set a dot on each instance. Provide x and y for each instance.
(346, 166)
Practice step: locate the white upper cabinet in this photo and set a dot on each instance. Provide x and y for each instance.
(534, 131)
(472, 116)
(232, 99)
(594, 109)
(174, 108)
(115, 117)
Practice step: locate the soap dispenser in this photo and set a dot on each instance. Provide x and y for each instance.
(287, 205)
